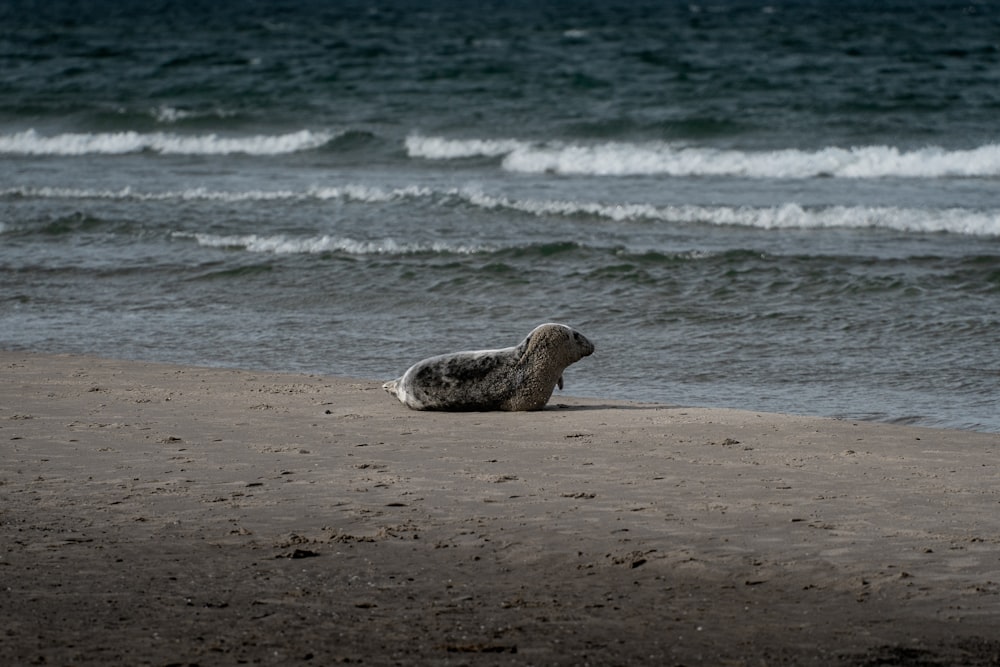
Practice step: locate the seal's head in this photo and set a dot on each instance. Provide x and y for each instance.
(559, 343)
(544, 354)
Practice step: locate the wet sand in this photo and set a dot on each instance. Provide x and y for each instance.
(171, 515)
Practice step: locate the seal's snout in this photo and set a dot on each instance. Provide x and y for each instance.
(583, 344)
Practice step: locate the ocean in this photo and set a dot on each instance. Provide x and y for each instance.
(786, 206)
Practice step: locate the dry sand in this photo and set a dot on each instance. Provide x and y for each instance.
(156, 514)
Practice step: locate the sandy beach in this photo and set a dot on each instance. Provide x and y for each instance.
(170, 515)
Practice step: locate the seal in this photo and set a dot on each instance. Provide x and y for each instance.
(516, 378)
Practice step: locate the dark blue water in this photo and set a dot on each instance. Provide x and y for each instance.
(785, 206)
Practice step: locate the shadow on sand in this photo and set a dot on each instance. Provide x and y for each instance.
(612, 406)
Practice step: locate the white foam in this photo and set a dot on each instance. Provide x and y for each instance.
(361, 193)
(168, 115)
(659, 158)
(369, 194)
(439, 148)
(956, 220)
(31, 142)
(786, 216)
(281, 244)
(616, 212)
(794, 216)
(165, 114)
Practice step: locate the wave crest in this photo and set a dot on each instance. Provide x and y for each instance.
(791, 215)
(30, 142)
(658, 158)
(440, 148)
(785, 216)
(281, 244)
(361, 193)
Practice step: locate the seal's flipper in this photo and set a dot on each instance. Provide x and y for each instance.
(560, 382)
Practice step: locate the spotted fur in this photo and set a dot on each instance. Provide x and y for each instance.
(522, 377)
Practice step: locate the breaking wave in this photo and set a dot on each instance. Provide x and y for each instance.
(657, 158)
(30, 142)
(791, 215)
(281, 244)
(785, 216)
(362, 193)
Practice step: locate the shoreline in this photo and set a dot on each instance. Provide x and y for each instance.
(915, 421)
(156, 513)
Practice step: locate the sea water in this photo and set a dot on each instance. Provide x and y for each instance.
(788, 206)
